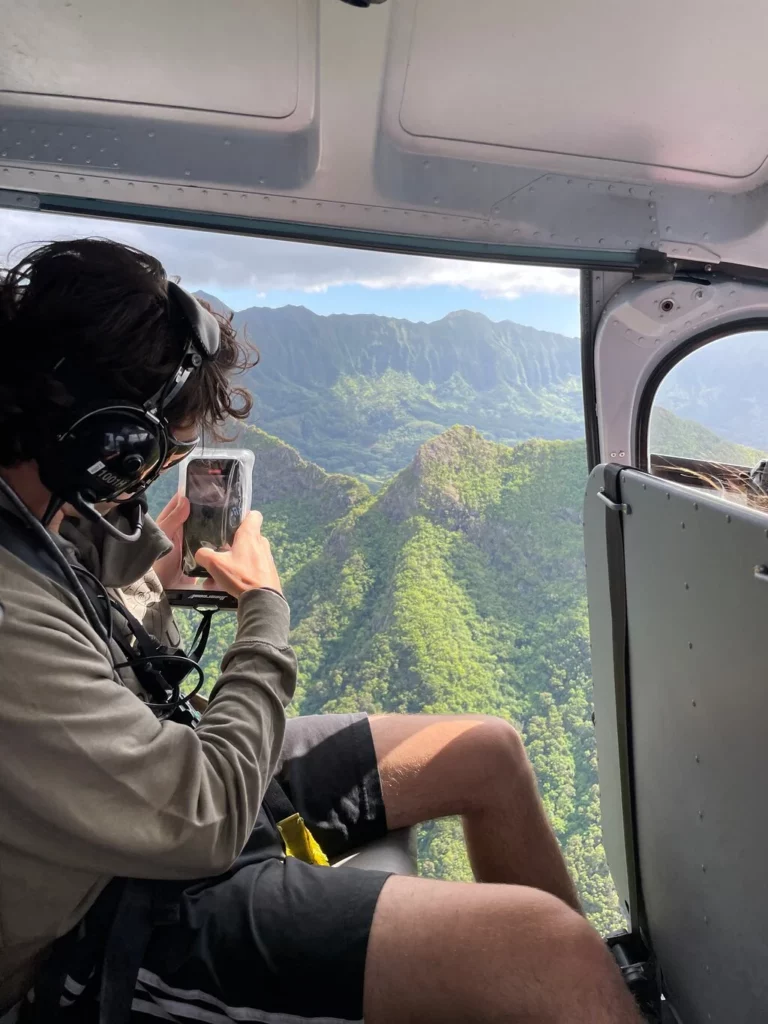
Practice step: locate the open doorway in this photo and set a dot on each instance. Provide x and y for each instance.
(420, 465)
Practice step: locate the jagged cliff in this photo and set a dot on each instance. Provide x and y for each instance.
(459, 587)
(359, 394)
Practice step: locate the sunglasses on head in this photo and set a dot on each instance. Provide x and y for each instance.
(177, 450)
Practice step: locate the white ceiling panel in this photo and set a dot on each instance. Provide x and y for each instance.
(570, 131)
(663, 86)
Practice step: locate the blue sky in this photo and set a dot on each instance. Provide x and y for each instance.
(327, 279)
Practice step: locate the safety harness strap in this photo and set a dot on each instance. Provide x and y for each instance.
(617, 584)
(298, 841)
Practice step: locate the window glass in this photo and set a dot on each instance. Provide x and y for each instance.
(709, 423)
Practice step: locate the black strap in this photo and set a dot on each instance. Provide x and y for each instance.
(129, 936)
(617, 587)
(277, 803)
(200, 641)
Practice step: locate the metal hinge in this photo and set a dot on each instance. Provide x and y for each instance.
(653, 265)
(614, 506)
(19, 200)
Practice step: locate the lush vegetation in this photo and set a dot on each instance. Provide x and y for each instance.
(438, 570)
(359, 394)
(458, 587)
(723, 386)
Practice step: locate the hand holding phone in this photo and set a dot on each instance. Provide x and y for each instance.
(248, 565)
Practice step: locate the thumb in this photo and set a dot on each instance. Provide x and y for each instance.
(206, 557)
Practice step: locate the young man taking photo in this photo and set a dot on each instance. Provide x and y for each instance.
(142, 873)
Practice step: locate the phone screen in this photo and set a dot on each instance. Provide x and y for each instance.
(215, 492)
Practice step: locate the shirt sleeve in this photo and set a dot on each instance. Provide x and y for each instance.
(92, 779)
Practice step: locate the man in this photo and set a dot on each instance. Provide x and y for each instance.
(128, 837)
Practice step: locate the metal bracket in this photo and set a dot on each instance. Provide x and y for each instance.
(614, 506)
(638, 969)
(653, 265)
(200, 600)
(19, 200)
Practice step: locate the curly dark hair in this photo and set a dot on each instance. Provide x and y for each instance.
(103, 307)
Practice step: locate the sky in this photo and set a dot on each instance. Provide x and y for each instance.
(247, 272)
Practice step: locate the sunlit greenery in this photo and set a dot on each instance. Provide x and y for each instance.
(440, 568)
(457, 587)
(359, 394)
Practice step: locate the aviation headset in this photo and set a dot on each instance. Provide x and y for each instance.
(117, 447)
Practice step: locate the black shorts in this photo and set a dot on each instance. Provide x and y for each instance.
(276, 940)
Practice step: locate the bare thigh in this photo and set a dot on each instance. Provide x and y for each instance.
(459, 953)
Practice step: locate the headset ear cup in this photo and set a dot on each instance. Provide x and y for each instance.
(106, 453)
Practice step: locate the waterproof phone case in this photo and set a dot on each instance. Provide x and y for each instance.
(218, 484)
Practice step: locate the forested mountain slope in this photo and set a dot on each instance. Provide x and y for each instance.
(360, 393)
(458, 587)
(723, 385)
(671, 435)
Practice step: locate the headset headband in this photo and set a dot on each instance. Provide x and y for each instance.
(203, 344)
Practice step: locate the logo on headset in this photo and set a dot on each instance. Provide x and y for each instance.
(99, 470)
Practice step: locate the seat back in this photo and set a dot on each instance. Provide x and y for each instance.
(696, 751)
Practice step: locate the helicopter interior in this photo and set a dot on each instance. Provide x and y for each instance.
(630, 144)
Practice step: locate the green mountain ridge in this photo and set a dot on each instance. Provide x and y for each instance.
(671, 435)
(359, 393)
(459, 587)
(722, 385)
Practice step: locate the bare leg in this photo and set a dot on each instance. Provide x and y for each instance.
(454, 953)
(433, 766)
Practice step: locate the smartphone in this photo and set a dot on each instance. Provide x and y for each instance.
(218, 486)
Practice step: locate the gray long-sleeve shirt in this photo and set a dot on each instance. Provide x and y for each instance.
(92, 785)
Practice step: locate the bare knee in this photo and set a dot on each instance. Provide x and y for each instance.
(574, 979)
(584, 981)
(500, 758)
(454, 953)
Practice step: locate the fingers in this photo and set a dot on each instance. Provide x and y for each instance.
(209, 560)
(168, 508)
(247, 565)
(174, 515)
(250, 526)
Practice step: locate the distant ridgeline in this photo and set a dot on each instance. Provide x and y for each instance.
(359, 394)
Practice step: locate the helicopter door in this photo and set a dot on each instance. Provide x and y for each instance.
(678, 600)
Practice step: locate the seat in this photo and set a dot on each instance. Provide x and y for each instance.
(395, 852)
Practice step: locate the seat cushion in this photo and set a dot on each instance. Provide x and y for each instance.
(395, 852)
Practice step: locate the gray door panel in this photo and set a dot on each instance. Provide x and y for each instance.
(697, 622)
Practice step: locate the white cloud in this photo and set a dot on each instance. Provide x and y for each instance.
(204, 259)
